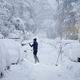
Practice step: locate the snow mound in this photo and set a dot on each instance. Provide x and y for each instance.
(74, 54)
(15, 50)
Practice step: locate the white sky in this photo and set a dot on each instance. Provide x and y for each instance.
(53, 4)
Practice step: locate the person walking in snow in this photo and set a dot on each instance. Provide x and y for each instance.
(35, 49)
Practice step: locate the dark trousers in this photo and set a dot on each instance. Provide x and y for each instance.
(35, 56)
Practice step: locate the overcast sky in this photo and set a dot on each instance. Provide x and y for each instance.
(53, 3)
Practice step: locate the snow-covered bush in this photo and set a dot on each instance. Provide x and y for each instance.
(1, 36)
(18, 33)
(12, 35)
(5, 31)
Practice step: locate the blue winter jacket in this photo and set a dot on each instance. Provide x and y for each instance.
(35, 46)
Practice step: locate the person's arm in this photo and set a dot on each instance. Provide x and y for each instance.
(31, 45)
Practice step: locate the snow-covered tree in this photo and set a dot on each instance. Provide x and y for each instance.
(66, 18)
(25, 16)
(76, 10)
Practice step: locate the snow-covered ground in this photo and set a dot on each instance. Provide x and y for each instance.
(46, 70)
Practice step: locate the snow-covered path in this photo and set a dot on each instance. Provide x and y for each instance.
(46, 69)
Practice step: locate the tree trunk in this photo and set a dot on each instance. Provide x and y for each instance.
(66, 35)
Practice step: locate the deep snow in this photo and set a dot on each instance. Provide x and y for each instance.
(46, 69)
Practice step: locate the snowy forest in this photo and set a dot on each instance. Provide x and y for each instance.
(36, 17)
(39, 39)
